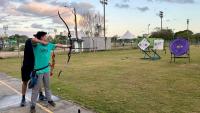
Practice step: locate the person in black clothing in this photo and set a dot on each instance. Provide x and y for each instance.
(26, 69)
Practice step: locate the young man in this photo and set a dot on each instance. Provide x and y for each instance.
(42, 55)
(26, 69)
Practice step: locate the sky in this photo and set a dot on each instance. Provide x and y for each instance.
(29, 16)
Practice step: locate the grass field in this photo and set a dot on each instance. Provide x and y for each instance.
(121, 82)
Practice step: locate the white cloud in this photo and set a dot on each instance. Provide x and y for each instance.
(3, 3)
(122, 5)
(143, 9)
(39, 26)
(82, 7)
(36, 15)
(175, 1)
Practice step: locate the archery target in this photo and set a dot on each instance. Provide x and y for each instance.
(179, 46)
(158, 44)
(143, 44)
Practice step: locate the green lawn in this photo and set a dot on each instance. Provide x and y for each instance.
(121, 82)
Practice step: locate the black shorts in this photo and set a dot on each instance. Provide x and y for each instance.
(25, 73)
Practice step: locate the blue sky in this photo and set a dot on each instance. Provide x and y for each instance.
(121, 15)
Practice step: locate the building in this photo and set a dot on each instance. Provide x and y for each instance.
(84, 43)
(96, 43)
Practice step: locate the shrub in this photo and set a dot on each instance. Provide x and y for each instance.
(9, 49)
(22, 47)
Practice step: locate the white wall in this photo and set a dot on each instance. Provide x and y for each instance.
(97, 43)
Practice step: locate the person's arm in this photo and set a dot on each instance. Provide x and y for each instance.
(35, 40)
(62, 46)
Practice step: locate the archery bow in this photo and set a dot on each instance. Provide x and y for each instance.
(69, 36)
(52, 63)
(70, 41)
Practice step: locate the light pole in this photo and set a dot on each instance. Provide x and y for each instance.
(148, 28)
(173, 33)
(188, 36)
(104, 3)
(188, 28)
(5, 27)
(55, 31)
(161, 17)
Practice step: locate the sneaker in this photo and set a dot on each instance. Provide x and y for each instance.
(52, 103)
(23, 103)
(42, 97)
(32, 109)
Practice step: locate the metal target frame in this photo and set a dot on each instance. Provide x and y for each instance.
(179, 48)
(149, 48)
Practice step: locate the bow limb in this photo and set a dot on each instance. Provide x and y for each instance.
(69, 36)
(52, 63)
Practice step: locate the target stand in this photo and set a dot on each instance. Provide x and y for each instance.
(149, 48)
(179, 48)
(147, 53)
(150, 54)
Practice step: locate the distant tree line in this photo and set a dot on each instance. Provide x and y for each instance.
(168, 35)
(17, 41)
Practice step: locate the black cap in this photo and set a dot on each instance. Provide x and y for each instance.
(40, 34)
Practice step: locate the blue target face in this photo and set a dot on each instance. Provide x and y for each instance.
(179, 46)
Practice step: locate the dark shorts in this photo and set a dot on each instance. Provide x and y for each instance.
(25, 73)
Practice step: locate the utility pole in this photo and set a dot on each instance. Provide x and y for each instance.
(161, 17)
(104, 3)
(75, 21)
(76, 28)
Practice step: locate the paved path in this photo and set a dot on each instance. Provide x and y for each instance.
(10, 97)
(4, 54)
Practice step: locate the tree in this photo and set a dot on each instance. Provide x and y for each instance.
(166, 34)
(18, 38)
(91, 23)
(60, 39)
(1, 43)
(98, 30)
(23, 38)
(49, 38)
(196, 38)
(184, 34)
